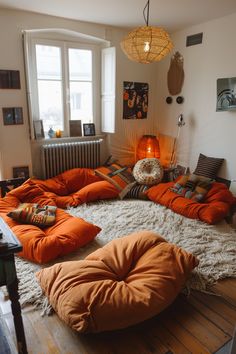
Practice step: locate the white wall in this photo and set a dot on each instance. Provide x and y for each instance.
(206, 131)
(14, 140)
(128, 131)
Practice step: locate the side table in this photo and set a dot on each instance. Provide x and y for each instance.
(8, 246)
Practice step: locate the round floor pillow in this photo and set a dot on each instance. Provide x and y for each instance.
(100, 294)
(148, 171)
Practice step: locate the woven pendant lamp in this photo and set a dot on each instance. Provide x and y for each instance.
(146, 44)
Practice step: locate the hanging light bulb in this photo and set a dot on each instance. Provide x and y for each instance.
(146, 44)
(146, 47)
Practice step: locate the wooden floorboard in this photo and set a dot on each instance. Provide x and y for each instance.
(198, 324)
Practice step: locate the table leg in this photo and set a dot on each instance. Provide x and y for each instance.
(12, 288)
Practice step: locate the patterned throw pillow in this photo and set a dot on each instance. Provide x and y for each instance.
(34, 214)
(138, 192)
(192, 187)
(119, 176)
(148, 171)
(208, 166)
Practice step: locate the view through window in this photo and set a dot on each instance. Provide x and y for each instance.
(61, 82)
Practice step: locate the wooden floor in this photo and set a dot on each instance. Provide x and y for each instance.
(198, 324)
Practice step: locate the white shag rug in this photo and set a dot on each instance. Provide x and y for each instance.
(214, 245)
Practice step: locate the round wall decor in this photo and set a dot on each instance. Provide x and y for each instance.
(169, 100)
(180, 99)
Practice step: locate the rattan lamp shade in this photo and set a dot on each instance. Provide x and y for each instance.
(148, 147)
(147, 44)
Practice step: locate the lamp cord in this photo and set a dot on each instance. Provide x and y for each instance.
(146, 17)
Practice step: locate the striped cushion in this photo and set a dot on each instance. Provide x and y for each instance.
(208, 166)
(138, 192)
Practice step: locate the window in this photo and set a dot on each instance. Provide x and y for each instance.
(50, 86)
(64, 83)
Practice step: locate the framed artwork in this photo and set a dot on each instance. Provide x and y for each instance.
(38, 129)
(89, 129)
(226, 94)
(22, 171)
(12, 115)
(75, 128)
(135, 100)
(9, 79)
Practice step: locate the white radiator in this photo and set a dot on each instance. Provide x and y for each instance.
(57, 158)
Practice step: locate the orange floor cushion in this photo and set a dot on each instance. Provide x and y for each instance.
(43, 244)
(61, 188)
(127, 281)
(69, 181)
(215, 207)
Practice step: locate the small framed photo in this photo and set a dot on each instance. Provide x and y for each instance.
(12, 115)
(22, 171)
(89, 129)
(75, 128)
(38, 129)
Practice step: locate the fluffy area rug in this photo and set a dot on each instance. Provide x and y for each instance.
(214, 245)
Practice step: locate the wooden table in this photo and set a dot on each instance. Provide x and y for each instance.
(8, 277)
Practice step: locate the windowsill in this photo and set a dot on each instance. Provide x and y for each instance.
(67, 139)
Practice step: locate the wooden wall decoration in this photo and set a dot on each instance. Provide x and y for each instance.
(175, 76)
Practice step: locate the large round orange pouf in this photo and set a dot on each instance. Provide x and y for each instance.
(123, 283)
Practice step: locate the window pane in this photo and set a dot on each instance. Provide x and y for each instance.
(48, 60)
(81, 101)
(80, 64)
(50, 104)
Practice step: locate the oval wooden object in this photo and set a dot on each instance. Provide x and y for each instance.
(175, 76)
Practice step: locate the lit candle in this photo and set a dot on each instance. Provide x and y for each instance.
(58, 133)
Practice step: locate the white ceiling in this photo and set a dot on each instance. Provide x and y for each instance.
(170, 14)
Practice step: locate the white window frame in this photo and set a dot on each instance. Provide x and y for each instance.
(31, 69)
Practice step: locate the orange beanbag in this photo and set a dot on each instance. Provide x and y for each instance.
(125, 282)
(215, 207)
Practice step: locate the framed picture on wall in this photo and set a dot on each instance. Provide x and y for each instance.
(12, 115)
(75, 128)
(9, 79)
(22, 171)
(38, 129)
(226, 94)
(135, 100)
(89, 129)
